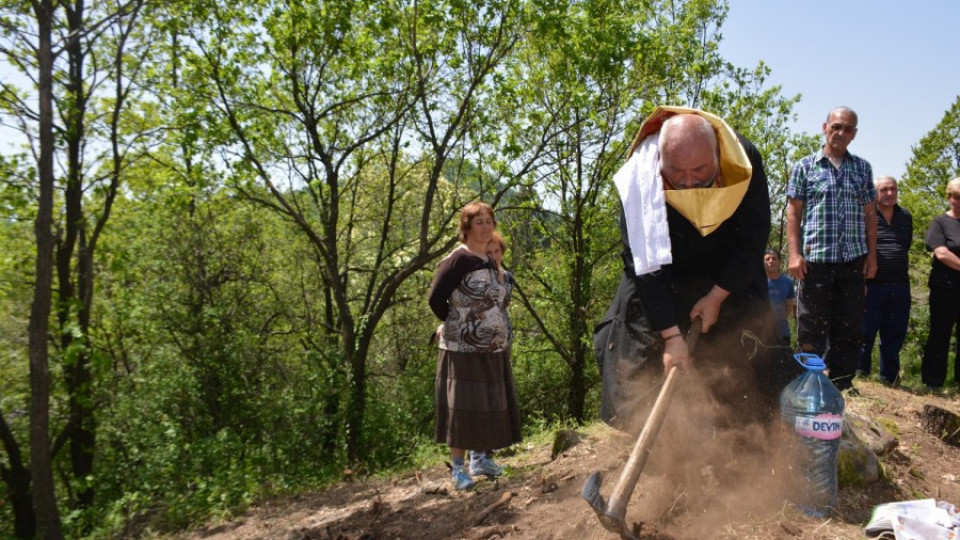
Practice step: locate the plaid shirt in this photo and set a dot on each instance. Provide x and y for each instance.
(833, 229)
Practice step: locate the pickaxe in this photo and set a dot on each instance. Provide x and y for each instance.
(612, 515)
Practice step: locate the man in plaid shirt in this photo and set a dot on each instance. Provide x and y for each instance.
(832, 236)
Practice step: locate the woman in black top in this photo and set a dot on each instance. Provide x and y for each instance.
(476, 403)
(943, 239)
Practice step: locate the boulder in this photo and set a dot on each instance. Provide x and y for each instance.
(857, 464)
(869, 432)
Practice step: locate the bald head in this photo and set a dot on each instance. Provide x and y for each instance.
(842, 111)
(688, 152)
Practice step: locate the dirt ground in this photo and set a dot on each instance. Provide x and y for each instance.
(687, 490)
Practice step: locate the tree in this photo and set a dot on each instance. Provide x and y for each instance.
(85, 218)
(934, 161)
(587, 67)
(604, 64)
(17, 266)
(688, 58)
(315, 94)
(44, 497)
(89, 52)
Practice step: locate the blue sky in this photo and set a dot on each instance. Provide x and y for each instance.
(896, 63)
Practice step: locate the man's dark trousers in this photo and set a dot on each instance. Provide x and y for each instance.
(830, 316)
(887, 311)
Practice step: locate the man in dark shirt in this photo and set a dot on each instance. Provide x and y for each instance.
(715, 270)
(888, 293)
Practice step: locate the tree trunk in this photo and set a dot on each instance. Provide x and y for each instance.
(357, 407)
(76, 294)
(579, 329)
(17, 479)
(44, 497)
(942, 423)
(576, 399)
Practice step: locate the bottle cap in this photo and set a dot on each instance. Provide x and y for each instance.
(810, 361)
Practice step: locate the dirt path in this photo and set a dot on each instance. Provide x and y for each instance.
(737, 495)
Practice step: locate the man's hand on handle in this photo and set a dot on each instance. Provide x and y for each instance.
(707, 309)
(677, 347)
(675, 352)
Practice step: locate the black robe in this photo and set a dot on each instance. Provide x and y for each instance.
(628, 337)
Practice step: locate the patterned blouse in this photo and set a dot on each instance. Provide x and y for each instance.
(472, 304)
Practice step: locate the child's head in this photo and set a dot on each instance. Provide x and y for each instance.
(496, 247)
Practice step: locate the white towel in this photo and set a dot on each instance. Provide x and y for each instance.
(641, 192)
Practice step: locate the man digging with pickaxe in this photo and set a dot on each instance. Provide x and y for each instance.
(695, 224)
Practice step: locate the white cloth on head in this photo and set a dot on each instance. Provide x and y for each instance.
(644, 208)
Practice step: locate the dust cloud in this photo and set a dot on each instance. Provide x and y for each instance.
(722, 455)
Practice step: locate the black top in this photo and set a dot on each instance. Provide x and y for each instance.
(731, 257)
(450, 273)
(893, 245)
(944, 231)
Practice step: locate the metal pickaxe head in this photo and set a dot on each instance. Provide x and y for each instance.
(611, 519)
(612, 515)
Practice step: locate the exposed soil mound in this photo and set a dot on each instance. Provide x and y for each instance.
(700, 482)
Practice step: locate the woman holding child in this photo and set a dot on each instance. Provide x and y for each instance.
(476, 403)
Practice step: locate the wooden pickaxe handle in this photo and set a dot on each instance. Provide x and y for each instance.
(641, 450)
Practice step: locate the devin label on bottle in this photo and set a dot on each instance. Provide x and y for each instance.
(825, 427)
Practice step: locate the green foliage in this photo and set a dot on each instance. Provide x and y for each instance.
(17, 191)
(542, 379)
(934, 161)
(401, 391)
(17, 259)
(212, 404)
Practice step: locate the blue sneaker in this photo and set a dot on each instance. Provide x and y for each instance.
(461, 480)
(481, 464)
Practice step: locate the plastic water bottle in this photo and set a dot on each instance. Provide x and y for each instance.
(812, 408)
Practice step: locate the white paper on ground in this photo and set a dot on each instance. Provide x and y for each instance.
(923, 519)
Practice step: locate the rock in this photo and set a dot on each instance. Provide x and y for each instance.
(791, 528)
(869, 432)
(857, 464)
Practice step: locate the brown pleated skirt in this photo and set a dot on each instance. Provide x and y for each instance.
(476, 401)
